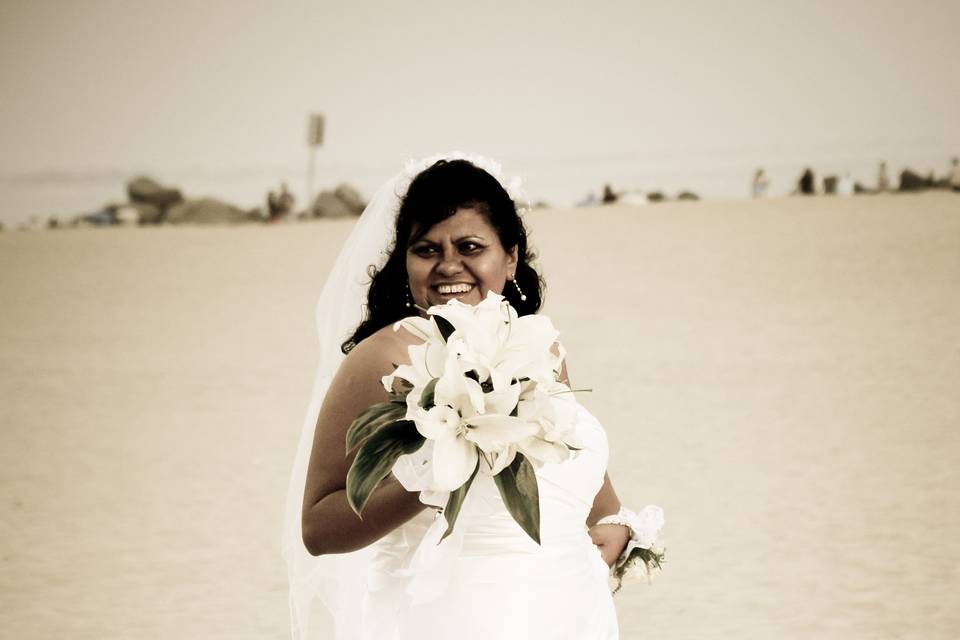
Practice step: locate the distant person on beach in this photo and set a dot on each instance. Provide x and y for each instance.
(609, 197)
(845, 186)
(955, 174)
(280, 204)
(806, 185)
(273, 206)
(760, 183)
(883, 178)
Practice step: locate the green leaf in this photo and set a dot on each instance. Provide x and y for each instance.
(376, 457)
(401, 387)
(444, 326)
(373, 418)
(518, 488)
(426, 398)
(651, 558)
(455, 501)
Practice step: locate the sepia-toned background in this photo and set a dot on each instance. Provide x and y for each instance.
(782, 374)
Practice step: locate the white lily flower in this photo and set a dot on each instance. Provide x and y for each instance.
(454, 457)
(479, 333)
(426, 363)
(480, 408)
(554, 411)
(494, 395)
(423, 328)
(527, 351)
(502, 401)
(458, 391)
(496, 433)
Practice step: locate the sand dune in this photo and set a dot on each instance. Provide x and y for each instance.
(782, 376)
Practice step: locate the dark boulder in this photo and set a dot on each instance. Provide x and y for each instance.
(351, 197)
(148, 191)
(328, 205)
(210, 211)
(912, 181)
(341, 202)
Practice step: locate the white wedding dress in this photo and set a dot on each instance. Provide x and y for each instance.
(488, 580)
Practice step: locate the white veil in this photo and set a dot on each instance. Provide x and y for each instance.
(339, 580)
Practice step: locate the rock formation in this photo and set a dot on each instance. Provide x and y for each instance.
(209, 211)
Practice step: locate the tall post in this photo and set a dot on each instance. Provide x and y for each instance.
(314, 140)
(311, 160)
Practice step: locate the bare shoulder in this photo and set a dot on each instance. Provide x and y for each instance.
(375, 357)
(356, 386)
(384, 349)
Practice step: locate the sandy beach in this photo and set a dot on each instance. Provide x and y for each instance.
(782, 376)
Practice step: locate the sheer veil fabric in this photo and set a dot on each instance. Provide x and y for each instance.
(340, 580)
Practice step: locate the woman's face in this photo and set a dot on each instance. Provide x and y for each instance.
(460, 257)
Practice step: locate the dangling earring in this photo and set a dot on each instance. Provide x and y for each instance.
(409, 302)
(522, 294)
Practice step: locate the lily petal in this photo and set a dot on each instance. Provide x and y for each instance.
(494, 433)
(541, 451)
(420, 327)
(500, 461)
(436, 423)
(454, 460)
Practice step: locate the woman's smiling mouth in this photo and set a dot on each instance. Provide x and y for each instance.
(447, 289)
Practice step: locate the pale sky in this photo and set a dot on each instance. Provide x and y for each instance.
(213, 86)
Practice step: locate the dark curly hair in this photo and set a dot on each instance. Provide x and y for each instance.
(434, 195)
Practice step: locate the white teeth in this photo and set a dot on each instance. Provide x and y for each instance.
(454, 288)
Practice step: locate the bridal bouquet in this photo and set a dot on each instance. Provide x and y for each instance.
(644, 554)
(481, 395)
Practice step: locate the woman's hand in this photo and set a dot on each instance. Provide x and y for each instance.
(611, 539)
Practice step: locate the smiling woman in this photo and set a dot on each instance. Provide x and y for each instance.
(456, 237)
(459, 258)
(456, 226)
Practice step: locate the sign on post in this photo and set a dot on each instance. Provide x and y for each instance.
(315, 130)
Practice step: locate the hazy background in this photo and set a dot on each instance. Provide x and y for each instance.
(782, 375)
(213, 96)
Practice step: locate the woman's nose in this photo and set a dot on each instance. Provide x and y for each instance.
(450, 265)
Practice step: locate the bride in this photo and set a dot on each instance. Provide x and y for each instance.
(444, 229)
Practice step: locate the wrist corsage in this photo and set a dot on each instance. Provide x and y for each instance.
(644, 554)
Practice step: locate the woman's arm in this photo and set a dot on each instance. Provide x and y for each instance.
(610, 538)
(329, 523)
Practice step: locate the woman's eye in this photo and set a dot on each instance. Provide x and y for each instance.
(470, 247)
(424, 250)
